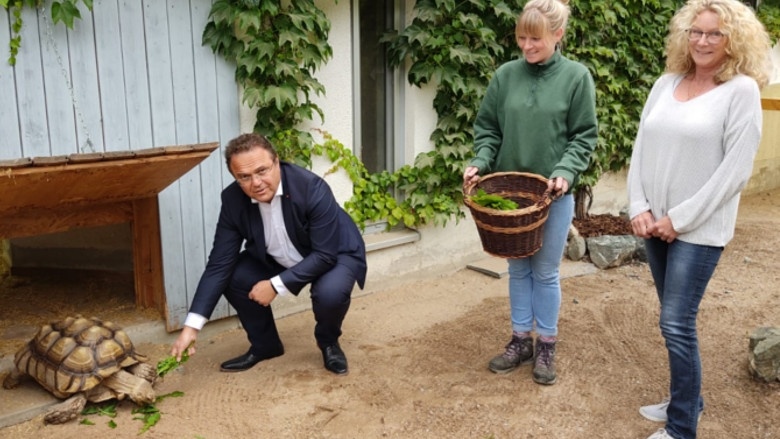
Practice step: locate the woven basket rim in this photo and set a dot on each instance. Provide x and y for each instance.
(539, 205)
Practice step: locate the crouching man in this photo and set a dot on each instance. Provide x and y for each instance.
(279, 229)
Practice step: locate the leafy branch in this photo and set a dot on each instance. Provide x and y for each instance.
(276, 50)
(63, 11)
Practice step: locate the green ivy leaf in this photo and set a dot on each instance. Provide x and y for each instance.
(65, 12)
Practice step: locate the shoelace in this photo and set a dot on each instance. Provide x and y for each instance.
(513, 348)
(545, 354)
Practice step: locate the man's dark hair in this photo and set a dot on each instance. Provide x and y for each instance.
(247, 142)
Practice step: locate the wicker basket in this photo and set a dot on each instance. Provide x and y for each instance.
(511, 233)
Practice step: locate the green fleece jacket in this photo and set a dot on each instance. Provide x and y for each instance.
(538, 118)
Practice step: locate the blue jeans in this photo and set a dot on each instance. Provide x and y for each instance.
(534, 282)
(681, 272)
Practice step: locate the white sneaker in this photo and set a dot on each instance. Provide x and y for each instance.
(657, 412)
(660, 434)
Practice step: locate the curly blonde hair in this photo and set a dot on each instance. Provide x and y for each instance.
(747, 42)
(542, 17)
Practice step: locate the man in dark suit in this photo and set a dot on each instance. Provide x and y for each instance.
(279, 229)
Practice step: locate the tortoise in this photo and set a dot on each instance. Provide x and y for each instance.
(83, 359)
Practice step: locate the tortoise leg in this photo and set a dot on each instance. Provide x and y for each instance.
(66, 410)
(13, 379)
(145, 371)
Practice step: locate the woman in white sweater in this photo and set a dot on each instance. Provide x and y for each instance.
(693, 154)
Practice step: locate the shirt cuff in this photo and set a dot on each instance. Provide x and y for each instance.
(195, 321)
(281, 290)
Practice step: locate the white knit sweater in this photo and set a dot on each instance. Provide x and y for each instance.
(691, 159)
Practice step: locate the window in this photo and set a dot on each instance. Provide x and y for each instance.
(376, 95)
(378, 98)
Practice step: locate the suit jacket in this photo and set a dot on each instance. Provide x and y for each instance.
(318, 227)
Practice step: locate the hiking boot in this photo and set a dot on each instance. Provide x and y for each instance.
(544, 363)
(518, 351)
(657, 412)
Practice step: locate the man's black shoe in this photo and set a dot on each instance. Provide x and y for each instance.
(247, 361)
(334, 359)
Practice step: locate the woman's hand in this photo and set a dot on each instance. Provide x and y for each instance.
(664, 229)
(470, 176)
(643, 225)
(557, 186)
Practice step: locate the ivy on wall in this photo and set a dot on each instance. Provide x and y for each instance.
(458, 45)
(769, 14)
(63, 11)
(455, 46)
(622, 43)
(276, 50)
(277, 46)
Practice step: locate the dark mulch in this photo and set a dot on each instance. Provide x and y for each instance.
(598, 225)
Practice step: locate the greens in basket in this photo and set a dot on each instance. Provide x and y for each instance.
(492, 201)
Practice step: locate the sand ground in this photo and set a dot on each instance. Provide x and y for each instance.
(418, 354)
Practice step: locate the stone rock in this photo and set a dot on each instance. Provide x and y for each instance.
(764, 354)
(575, 245)
(612, 250)
(641, 251)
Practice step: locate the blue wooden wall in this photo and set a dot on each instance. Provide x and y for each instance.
(130, 75)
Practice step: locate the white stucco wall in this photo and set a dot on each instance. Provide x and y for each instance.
(609, 194)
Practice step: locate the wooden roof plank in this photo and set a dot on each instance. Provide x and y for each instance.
(108, 180)
(15, 163)
(49, 161)
(86, 158)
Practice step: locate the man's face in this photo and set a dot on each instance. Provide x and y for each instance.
(257, 173)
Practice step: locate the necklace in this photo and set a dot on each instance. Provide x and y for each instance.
(693, 90)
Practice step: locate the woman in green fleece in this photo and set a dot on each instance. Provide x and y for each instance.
(538, 115)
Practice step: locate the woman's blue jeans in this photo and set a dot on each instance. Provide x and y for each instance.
(534, 282)
(681, 272)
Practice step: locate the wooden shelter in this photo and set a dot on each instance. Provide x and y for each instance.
(55, 194)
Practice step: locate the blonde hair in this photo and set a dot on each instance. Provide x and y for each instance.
(542, 17)
(747, 42)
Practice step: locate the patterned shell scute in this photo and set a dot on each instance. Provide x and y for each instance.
(76, 354)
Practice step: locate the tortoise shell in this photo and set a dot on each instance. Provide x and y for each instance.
(76, 354)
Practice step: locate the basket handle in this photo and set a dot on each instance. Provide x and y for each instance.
(467, 188)
(548, 194)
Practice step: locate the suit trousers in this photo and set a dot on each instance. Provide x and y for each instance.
(330, 297)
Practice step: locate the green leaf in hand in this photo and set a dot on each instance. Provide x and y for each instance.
(170, 362)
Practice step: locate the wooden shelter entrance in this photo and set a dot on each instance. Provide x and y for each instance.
(55, 194)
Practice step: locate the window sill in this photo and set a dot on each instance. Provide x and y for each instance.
(390, 238)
